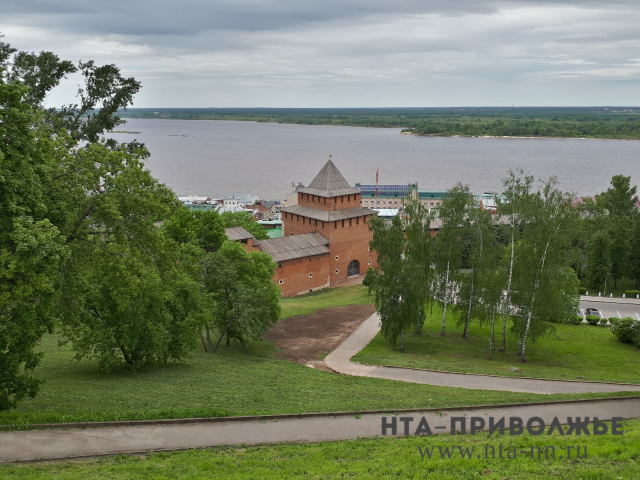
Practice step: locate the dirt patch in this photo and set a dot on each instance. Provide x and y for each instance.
(306, 339)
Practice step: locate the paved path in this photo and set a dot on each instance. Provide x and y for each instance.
(59, 444)
(340, 361)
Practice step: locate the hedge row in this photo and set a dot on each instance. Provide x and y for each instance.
(627, 330)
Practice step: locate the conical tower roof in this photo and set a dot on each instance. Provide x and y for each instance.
(329, 182)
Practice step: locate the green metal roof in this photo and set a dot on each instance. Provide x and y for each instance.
(274, 232)
(435, 194)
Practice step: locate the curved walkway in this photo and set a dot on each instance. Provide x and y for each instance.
(340, 361)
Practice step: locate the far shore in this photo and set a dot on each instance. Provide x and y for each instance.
(514, 136)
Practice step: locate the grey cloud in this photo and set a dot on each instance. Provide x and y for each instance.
(297, 53)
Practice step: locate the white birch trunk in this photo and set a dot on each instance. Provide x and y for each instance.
(508, 299)
(446, 298)
(533, 300)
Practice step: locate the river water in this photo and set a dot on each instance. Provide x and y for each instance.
(216, 158)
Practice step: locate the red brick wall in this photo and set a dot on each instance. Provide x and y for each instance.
(295, 275)
(348, 242)
(336, 203)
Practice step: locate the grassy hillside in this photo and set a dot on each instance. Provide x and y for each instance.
(574, 352)
(238, 381)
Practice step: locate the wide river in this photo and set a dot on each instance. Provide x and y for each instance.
(216, 158)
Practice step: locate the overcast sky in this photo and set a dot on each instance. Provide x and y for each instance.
(345, 53)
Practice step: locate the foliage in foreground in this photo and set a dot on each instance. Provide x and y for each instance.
(90, 241)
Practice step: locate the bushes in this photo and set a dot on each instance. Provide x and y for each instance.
(575, 320)
(582, 290)
(627, 330)
(613, 320)
(632, 293)
(593, 319)
(603, 321)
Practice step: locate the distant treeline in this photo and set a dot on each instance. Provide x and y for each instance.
(569, 122)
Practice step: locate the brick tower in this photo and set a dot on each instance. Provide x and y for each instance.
(331, 207)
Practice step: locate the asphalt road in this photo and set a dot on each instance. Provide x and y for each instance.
(612, 307)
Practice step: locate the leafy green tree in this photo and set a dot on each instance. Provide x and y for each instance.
(448, 245)
(599, 259)
(620, 246)
(516, 194)
(542, 279)
(31, 247)
(137, 304)
(418, 255)
(480, 242)
(492, 284)
(128, 293)
(81, 238)
(634, 257)
(620, 199)
(245, 220)
(393, 287)
(246, 301)
(201, 227)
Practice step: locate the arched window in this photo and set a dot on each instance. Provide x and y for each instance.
(353, 268)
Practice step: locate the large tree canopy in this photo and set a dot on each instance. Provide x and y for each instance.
(90, 242)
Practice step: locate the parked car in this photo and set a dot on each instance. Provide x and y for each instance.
(592, 311)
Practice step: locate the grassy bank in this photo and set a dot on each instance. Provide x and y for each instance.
(607, 457)
(329, 297)
(238, 381)
(574, 352)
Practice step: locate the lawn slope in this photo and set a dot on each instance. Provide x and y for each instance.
(573, 352)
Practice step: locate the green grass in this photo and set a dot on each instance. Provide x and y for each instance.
(238, 381)
(608, 457)
(574, 352)
(329, 297)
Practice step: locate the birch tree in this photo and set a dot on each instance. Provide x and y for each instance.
(419, 258)
(549, 215)
(395, 293)
(517, 191)
(448, 245)
(480, 245)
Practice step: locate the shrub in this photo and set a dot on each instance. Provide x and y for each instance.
(369, 279)
(603, 321)
(627, 330)
(632, 293)
(575, 320)
(593, 319)
(582, 290)
(613, 320)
